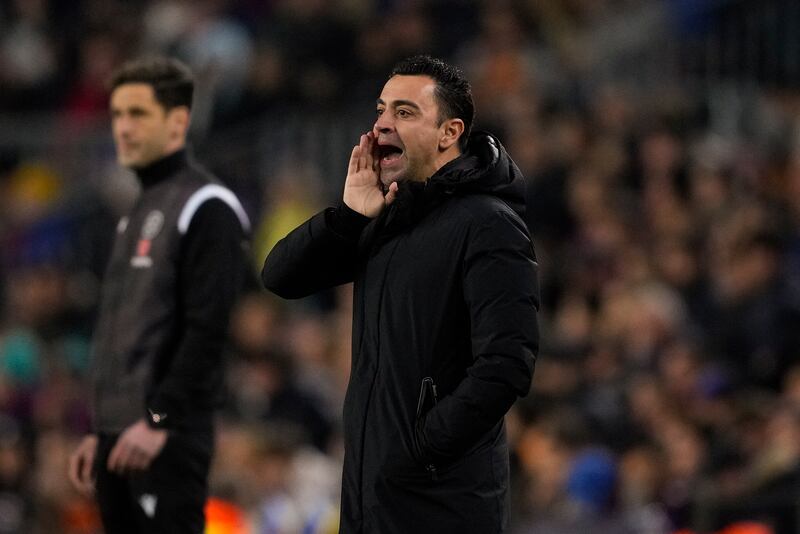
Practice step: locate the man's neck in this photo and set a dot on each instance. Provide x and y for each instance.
(163, 168)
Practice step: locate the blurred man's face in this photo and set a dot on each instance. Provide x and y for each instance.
(407, 129)
(143, 130)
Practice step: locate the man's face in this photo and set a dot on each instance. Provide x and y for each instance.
(407, 129)
(143, 130)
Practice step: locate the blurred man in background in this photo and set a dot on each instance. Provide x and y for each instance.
(446, 296)
(177, 266)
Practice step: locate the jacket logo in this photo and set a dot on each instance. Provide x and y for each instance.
(148, 503)
(150, 229)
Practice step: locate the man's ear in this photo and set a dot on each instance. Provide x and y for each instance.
(452, 129)
(178, 118)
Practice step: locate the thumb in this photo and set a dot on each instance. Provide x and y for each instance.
(391, 194)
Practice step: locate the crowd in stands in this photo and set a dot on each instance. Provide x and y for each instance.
(666, 397)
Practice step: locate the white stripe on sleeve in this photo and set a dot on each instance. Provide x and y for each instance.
(207, 192)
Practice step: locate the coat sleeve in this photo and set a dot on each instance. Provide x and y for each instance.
(213, 266)
(502, 295)
(319, 254)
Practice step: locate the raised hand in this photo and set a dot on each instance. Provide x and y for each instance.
(363, 191)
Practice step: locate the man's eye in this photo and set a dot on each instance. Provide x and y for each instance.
(403, 113)
(379, 112)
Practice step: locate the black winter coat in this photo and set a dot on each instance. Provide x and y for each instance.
(444, 340)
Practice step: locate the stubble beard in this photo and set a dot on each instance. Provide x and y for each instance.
(398, 176)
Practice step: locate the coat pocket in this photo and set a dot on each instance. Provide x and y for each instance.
(428, 397)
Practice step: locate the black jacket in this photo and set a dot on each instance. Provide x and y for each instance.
(444, 340)
(177, 266)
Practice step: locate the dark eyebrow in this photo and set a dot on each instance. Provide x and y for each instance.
(134, 110)
(396, 103)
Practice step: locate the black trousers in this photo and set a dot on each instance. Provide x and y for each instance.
(168, 498)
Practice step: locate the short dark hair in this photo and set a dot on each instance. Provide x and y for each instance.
(171, 80)
(453, 91)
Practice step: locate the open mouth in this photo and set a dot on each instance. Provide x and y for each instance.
(389, 153)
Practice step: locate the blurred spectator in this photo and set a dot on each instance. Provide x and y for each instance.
(220, 50)
(16, 495)
(28, 56)
(99, 54)
(264, 380)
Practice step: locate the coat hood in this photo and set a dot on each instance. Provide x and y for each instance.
(484, 168)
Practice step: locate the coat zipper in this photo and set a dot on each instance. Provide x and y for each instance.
(428, 384)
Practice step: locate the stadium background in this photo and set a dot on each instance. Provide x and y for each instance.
(660, 141)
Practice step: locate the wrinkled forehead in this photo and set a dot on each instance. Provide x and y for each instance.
(417, 90)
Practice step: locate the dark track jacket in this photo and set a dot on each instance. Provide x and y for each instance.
(444, 340)
(177, 266)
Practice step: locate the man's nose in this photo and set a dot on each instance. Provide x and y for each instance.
(382, 125)
(122, 125)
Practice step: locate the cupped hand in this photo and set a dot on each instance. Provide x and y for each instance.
(363, 191)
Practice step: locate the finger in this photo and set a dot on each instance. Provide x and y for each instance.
(134, 461)
(85, 486)
(142, 463)
(145, 460)
(352, 167)
(376, 158)
(86, 469)
(369, 161)
(364, 148)
(74, 470)
(391, 194)
(82, 487)
(111, 463)
(116, 459)
(127, 461)
(88, 488)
